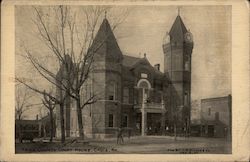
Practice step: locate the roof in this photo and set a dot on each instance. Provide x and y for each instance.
(130, 61)
(105, 41)
(177, 28)
(215, 98)
(212, 122)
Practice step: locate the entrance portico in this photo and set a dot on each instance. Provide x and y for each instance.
(149, 109)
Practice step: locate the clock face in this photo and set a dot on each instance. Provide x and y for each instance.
(188, 37)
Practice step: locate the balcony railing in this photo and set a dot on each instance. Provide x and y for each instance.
(150, 106)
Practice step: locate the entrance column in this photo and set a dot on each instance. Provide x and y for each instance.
(143, 115)
(163, 125)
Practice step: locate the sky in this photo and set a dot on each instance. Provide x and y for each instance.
(143, 31)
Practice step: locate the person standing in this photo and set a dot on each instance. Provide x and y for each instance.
(119, 136)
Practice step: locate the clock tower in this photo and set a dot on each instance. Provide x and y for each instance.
(177, 48)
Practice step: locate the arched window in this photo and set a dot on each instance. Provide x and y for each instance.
(143, 84)
(111, 90)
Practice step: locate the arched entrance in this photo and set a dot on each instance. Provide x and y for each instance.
(144, 87)
(150, 116)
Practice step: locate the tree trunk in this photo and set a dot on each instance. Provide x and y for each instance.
(19, 131)
(79, 116)
(51, 126)
(62, 123)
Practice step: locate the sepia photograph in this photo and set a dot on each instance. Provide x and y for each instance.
(123, 79)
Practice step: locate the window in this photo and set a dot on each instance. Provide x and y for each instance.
(217, 116)
(111, 120)
(125, 121)
(187, 65)
(72, 122)
(125, 95)
(111, 91)
(144, 84)
(209, 111)
(186, 98)
(144, 75)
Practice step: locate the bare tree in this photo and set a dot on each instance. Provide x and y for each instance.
(68, 33)
(22, 97)
(50, 105)
(57, 100)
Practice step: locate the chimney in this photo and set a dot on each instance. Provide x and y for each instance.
(157, 67)
(36, 117)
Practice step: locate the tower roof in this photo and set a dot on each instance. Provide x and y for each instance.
(178, 30)
(105, 42)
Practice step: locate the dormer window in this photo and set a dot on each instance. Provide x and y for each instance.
(144, 75)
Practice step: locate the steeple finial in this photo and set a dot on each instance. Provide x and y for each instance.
(105, 14)
(179, 10)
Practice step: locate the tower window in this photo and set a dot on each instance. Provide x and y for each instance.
(111, 120)
(187, 65)
(125, 95)
(186, 98)
(111, 90)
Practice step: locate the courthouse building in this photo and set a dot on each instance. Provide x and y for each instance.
(132, 93)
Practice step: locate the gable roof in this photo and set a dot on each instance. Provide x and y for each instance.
(129, 61)
(178, 30)
(132, 62)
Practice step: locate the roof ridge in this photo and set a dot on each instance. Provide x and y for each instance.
(132, 56)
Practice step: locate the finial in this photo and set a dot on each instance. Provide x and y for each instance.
(105, 12)
(179, 10)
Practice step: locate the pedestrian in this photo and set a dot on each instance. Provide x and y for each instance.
(119, 136)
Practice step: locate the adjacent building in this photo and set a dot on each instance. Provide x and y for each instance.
(132, 93)
(216, 116)
(35, 128)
